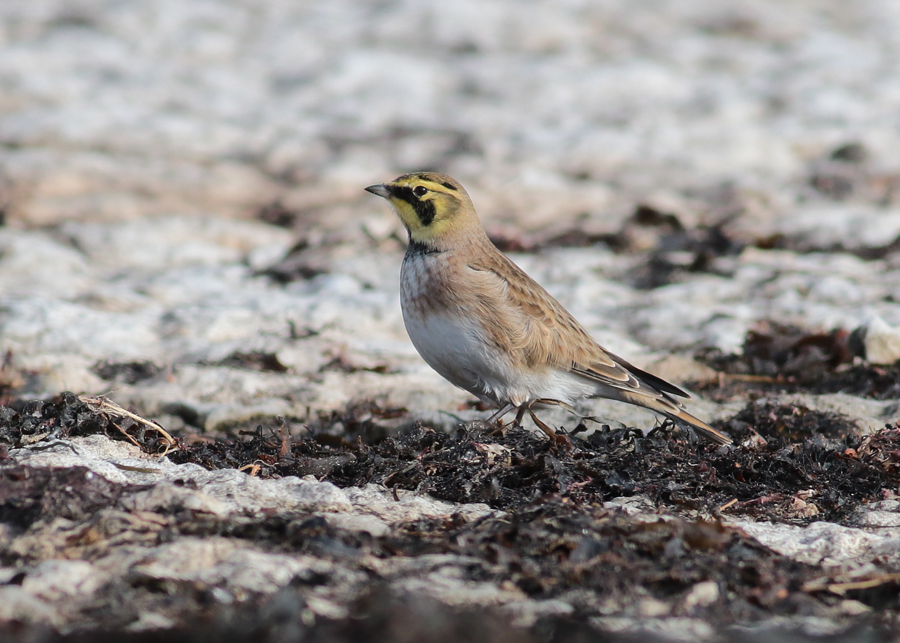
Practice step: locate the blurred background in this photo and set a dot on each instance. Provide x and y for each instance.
(128, 108)
(181, 181)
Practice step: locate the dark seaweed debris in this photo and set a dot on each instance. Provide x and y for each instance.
(30, 494)
(790, 353)
(126, 372)
(549, 548)
(556, 538)
(595, 557)
(784, 358)
(789, 463)
(545, 549)
(255, 361)
(37, 423)
(795, 465)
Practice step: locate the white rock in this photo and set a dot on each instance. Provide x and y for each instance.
(668, 629)
(355, 522)
(882, 342)
(16, 604)
(653, 608)
(228, 491)
(823, 543)
(52, 580)
(174, 241)
(7, 573)
(150, 621)
(445, 586)
(854, 608)
(286, 494)
(223, 491)
(164, 496)
(847, 226)
(380, 502)
(525, 613)
(889, 519)
(225, 563)
(31, 261)
(701, 595)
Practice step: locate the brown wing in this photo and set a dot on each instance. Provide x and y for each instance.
(531, 325)
(528, 323)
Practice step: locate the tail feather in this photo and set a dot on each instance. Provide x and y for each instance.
(701, 427)
(671, 409)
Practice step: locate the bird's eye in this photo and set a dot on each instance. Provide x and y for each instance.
(420, 190)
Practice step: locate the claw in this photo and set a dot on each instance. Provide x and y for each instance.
(542, 426)
(503, 410)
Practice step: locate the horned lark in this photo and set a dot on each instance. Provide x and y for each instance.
(490, 329)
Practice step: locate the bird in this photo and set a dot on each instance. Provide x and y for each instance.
(488, 328)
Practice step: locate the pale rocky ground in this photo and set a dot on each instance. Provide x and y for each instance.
(138, 140)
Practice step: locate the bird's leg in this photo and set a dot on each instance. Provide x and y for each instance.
(571, 409)
(540, 424)
(498, 415)
(516, 423)
(520, 414)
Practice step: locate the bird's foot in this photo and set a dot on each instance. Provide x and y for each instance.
(520, 414)
(496, 419)
(500, 428)
(543, 426)
(559, 439)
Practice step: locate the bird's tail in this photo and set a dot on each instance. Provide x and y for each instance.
(701, 427)
(673, 409)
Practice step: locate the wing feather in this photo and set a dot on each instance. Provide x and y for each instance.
(526, 320)
(528, 323)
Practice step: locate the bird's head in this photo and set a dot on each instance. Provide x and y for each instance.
(432, 206)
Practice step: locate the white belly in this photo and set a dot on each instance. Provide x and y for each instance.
(455, 347)
(454, 344)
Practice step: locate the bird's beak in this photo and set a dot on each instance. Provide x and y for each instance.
(379, 190)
